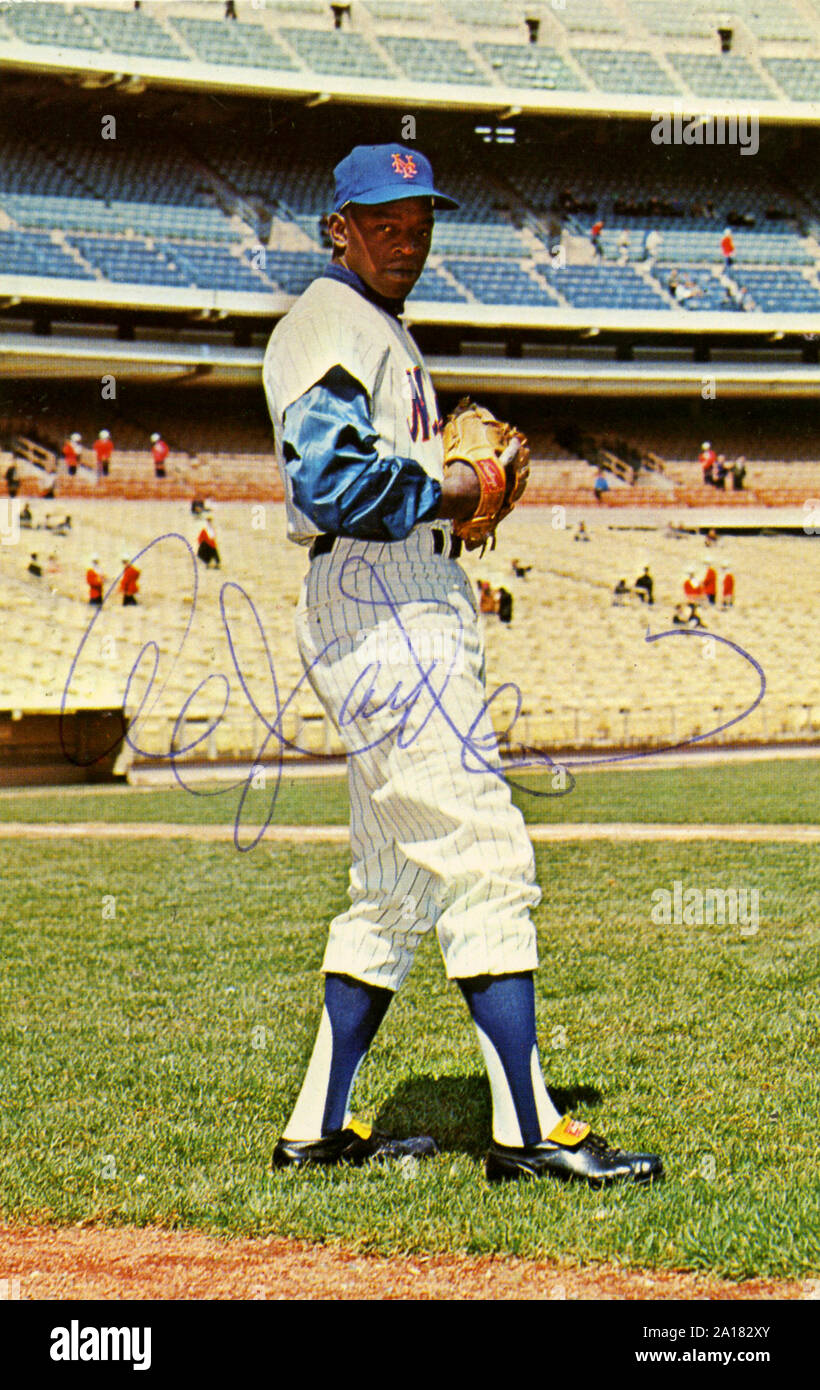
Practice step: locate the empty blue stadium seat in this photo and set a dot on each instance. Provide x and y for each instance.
(499, 281)
(34, 253)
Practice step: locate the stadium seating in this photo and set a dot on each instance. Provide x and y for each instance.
(721, 75)
(779, 291)
(332, 52)
(128, 260)
(713, 296)
(522, 65)
(432, 285)
(215, 267)
(624, 70)
(53, 24)
(610, 287)
(799, 78)
(133, 31)
(588, 17)
(36, 254)
(669, 18)
(294, 270)
(499, 281)
(462, 238)
(237, 45)
(433, 60)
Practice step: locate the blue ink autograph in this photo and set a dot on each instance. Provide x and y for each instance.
(359, 704)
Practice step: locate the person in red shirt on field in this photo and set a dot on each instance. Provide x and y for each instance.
(709, 584)
(103, 448)
(690, 588)
(159, 451)
(727, 247)
(707, 459)
(95, 580)
(129, 583)
(206, 543)
(728, 589)
(72, 453)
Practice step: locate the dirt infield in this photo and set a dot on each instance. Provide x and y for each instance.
(89, 1263)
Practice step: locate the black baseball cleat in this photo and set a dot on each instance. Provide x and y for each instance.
(572, 1151)
(356, 1145)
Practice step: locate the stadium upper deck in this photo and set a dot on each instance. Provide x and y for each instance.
(211, 209)
(572, 54)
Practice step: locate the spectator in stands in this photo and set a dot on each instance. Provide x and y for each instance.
(159, 451)
(207, 549)
(230, 9)
(95, 580)
(727, 597)
(711, 537)
(129, 581)
(198, 506)
(707, 460)
(582, 533)
(738, 473)
(652, 245)
(727, 248)
(12, 480)
(623, 247)
(520, 571)
(34, 566)
(644, 586)
(600, 485)
(505, 605)
(620, 594)
(103, 448)
(72, 453)
(27, 517)
(595, 237)
(720, 472)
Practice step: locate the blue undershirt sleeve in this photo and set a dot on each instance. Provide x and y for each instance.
(337, 476)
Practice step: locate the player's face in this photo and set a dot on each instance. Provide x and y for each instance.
(386, 244)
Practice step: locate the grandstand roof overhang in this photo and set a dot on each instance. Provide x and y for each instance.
(133, 72)
(28, 355)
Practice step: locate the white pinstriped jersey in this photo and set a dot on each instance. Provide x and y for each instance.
(331, 325)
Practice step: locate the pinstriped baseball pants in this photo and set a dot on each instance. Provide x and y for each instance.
(390, 641)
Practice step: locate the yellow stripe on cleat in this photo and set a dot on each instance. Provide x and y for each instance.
(364, 1131)
(569, 1132)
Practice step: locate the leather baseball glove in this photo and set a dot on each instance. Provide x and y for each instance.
(499, 456)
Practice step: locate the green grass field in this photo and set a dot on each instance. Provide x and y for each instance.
(777, 792)
(148, 1060)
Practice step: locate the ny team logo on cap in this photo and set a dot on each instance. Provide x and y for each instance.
(373, 174)
(404, 165)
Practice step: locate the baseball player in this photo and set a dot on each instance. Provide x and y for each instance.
(387, 628)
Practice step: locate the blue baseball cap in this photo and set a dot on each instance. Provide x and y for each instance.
(385, 174)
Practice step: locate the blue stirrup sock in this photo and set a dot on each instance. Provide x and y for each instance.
(503, 1011)
(350, 1020)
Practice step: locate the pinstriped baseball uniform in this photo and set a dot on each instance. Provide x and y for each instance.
(388, 632)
